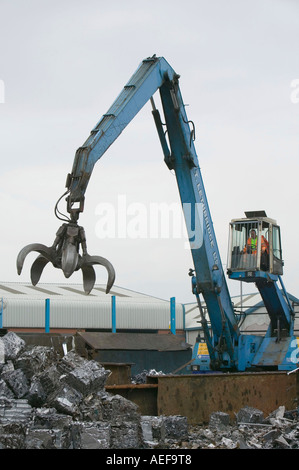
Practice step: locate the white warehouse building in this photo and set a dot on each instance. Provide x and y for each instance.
(23, 306)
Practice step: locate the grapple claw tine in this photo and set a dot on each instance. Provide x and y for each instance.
(37, 269)
(88, 260)
(40, 248)
(69, 260)
(89, 278)
(111, 279)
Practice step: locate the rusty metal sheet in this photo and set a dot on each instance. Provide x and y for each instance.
(143, 395)
(197, 396)
(134, 341)
(120, 373)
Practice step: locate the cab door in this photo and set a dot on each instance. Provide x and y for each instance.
(276, 251)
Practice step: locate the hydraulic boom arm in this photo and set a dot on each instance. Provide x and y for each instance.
(227, 347)
(179, 153)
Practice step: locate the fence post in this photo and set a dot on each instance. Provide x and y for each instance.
(172, 315)
(113, 313)
(47, 316)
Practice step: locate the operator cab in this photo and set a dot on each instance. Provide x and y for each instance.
(254, 247)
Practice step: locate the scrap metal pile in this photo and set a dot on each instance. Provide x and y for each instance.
(250, 430)
(53, 402)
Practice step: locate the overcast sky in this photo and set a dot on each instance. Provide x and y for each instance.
(63, 63)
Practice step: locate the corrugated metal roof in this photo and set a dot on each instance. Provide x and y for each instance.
(68, 291)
